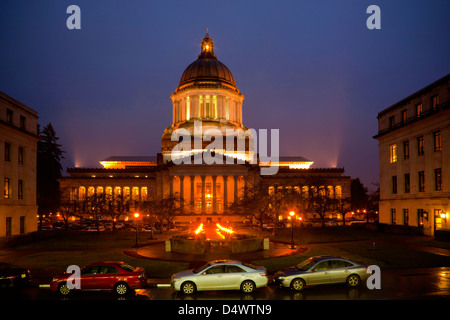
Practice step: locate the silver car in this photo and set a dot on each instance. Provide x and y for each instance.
(322, 270)
(221, 275)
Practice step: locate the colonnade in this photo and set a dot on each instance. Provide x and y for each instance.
(207, 107)
(207, 193)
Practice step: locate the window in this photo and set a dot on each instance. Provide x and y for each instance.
(214, 270)
(438, 179)
(335, 264)
(393, 216)
(419, 110)
(406, 149)
(405, 216)
(438, 219)
(437, 141)
(22, 225)
(233, 269)
(391, 122)
(9, 116)
(6, 190)
(7, 151)
(394, 184)
(108, 270)
(393, 153)
(322, 266)
(8, 226)
(20, 190)
(420, 214)
(404, 116)
(20, 155)
(407, 183)
(90, 270)
(421, 181)
(22, 122)
(434, 102)
(420, 149)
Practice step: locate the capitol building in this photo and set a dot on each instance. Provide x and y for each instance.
(206, 100)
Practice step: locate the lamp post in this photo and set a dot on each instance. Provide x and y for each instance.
(292, 213)
(136, 216)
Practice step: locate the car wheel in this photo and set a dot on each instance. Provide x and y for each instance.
(63, 289)
(188, 287)
(121, 288)
(353, 280)
(248, 286)
(297, 284)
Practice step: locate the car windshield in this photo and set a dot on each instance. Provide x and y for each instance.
(199, 269)
(305, 265)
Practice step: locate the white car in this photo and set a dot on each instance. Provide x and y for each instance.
(221, 275)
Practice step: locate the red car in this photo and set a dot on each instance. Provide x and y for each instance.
(115, 276)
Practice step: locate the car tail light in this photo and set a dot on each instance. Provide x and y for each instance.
(263, 274)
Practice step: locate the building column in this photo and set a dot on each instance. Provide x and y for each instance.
(192, 194)
(225, 193)
(203, 195)
(235, 188)
(182, 194)
(171, 186)
(220, 107)
(214, 194)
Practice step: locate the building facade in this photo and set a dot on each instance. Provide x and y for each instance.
(414, 155)
(207, 114)
(18, 146)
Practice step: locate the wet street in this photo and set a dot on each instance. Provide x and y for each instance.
(424, 283)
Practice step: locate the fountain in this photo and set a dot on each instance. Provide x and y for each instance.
(216, 238)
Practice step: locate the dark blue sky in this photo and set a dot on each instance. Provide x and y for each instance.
(309, 68)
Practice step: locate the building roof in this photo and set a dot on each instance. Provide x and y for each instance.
(415, 95)
(207, 71)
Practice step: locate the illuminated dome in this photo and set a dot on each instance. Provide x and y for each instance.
(207, 71)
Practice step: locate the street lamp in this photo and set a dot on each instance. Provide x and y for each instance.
(136, 216)
(292, 214)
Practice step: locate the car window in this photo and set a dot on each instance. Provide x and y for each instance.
(90, 270)
(127, 267)
(108, 269)
(335, 264)
(214, 270)
(324, 265)
(233, 269)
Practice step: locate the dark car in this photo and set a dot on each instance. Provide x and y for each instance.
(116, 276)
(322, 270)
(13, 276)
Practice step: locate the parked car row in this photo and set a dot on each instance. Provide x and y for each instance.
(121, 278)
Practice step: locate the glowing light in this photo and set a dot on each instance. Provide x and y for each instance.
(227, 230)
(292, 213)
(136, 214)
(199, 229)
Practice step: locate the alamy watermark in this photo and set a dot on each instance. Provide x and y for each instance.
(240, 146)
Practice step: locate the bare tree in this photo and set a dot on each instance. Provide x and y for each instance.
(254, 204)
(320, 201)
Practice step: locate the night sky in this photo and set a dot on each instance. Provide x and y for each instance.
(309, 68)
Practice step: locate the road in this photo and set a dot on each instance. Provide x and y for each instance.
(425, 283)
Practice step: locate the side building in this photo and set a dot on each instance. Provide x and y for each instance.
(414, 153)
(18, 147)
